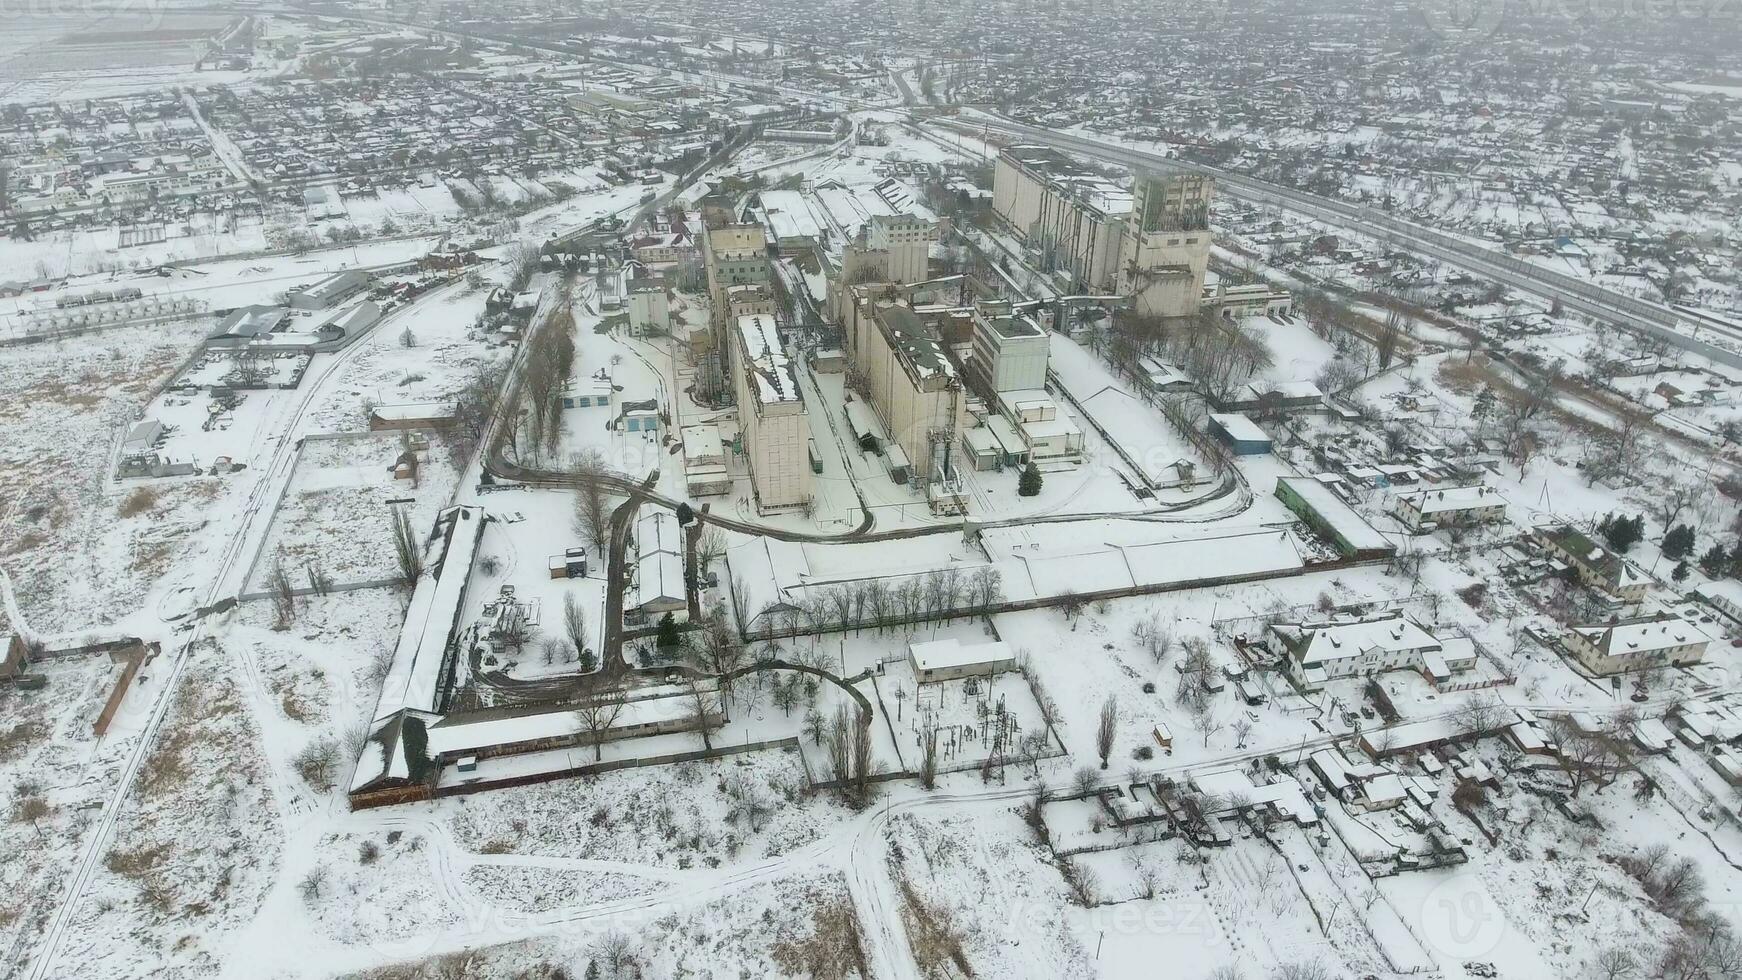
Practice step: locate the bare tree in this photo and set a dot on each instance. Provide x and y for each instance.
(1242, 728)
(407, 550)
(597, 718)
(575, 622)
(592, 501)
(1153, 638)
(928, 745)
(1105, 731)
(1479, 714)
(283, 597)
(710, 548)
(1203, 715)
(702, 706)
(616, 951)
(1616, 963)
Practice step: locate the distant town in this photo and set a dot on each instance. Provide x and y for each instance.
(1249, 492)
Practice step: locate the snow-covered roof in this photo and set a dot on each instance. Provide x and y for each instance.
(1235, 785)
(1441, 500)
(767, 361)
(419, 661)
(702, 442)
(1642, 636)
(1330, 508)
(950, 653)
(1240, 427)
(1319, 643)
(252, 321)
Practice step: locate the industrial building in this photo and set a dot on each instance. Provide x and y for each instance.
(649, 306)
(950, 659)
(771, 415)
(914, 390)
(1010, 356)
(1332, 518)
(1150, 243)
(329, 292)
(1240, 434)
(658, 583)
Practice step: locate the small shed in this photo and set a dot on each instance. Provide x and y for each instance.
(948, 659)
(1240, 434)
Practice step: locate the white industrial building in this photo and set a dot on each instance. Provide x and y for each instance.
(704, 461)
(658, 585)
(949, 659)
(771, 415)
(1011, 353)
(1150, 242)
(649, 306)
(328, 292)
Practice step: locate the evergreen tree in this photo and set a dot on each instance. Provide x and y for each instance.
(1483, 407)
(1679, 542)
(1622, 533)
(1680, 572)
(668, 636)
(1713, 561)
(1029, 483)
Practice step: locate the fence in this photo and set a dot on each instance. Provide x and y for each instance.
(132, 660)
(530, 779)
(1044, 602)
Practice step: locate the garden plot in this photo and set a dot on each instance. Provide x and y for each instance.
(56, 772)
(81, 550)
(336, 517)
(1167, 902)
(780, 929)
(1299, 353)
(196, 845)
(979, 874)
(529, 888)
(683, 815)
(378, 890)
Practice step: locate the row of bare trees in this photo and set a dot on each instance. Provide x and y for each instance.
(938, 594)
(550, 357)
(1219, 354)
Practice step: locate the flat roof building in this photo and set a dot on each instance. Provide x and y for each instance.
(329, 292)
(771, 415)
(949, 659)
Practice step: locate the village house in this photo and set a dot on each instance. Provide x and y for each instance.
(1595, 565)
(1663, 639)
(1426, 509)
(1318, 652)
